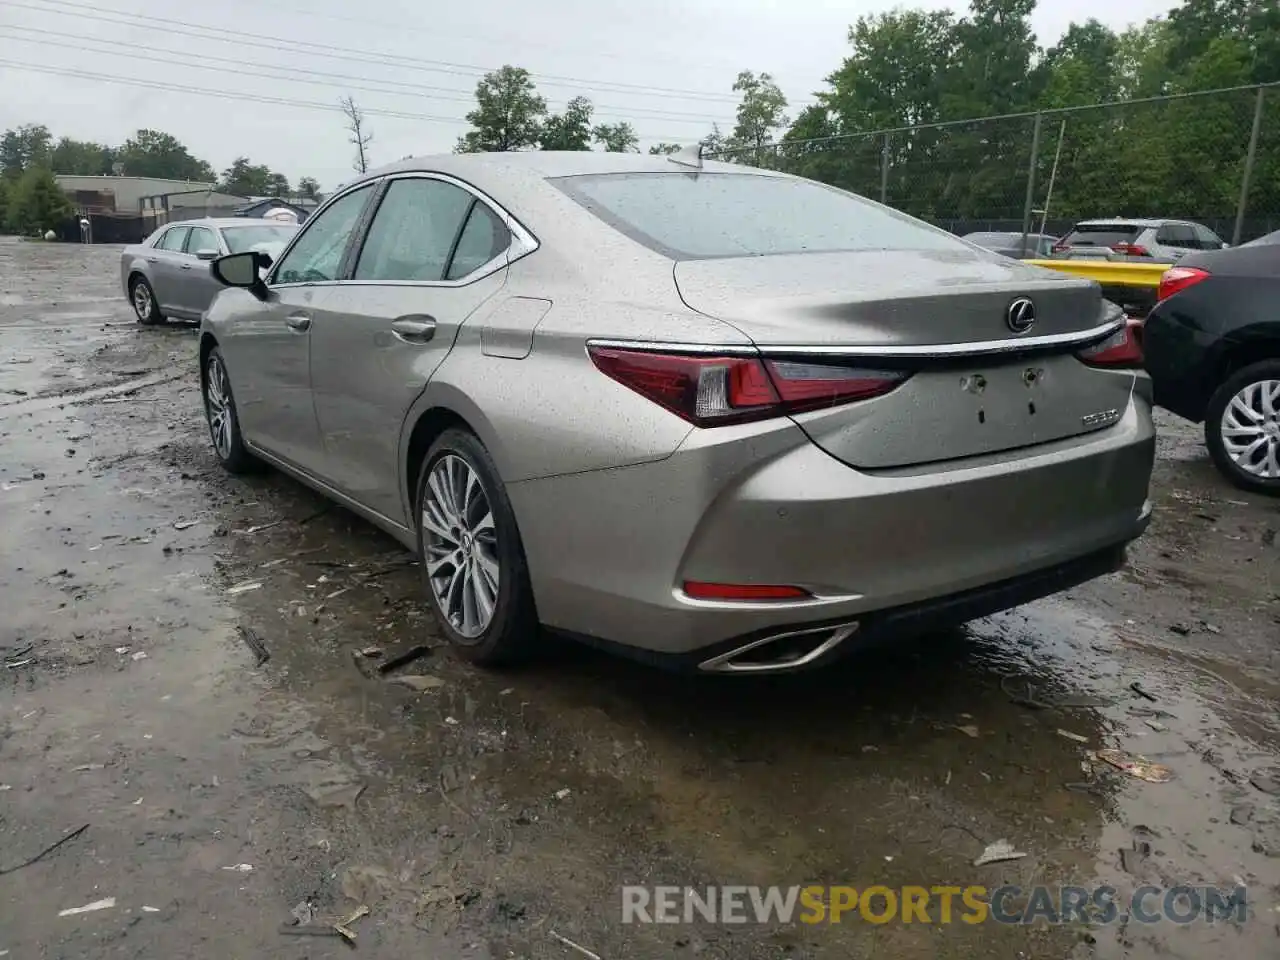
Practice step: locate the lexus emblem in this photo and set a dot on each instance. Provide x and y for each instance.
(1021, 315)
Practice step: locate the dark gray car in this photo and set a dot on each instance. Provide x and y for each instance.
(167, 275)
(1012, 244)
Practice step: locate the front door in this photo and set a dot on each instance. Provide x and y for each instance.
(268, 350)
(434, 253)
(197, 287)
(165, 260)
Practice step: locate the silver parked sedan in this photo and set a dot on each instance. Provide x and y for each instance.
(164, 276)
(719, 416)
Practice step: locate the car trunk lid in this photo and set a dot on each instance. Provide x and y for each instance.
(976, 386)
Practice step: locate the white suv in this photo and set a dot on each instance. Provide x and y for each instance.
(1161, 241)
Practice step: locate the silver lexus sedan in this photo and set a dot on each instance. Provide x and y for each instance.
(167, 275)
(717, 416)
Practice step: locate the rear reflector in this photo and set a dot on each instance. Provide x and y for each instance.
(1121, 349)
(1176, 279)
(712, 391)
(742, 591)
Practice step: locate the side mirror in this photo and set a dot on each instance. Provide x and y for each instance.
(206, 254)
(241, 270)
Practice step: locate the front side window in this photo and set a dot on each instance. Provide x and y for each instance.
(317, 256)
(201, 239)
(174, 240)
(1208, 240)
(690, 216)
(414, 231)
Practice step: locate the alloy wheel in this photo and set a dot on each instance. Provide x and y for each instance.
(218, 407)
(1251, 429)
(461, 545)
(142, 300)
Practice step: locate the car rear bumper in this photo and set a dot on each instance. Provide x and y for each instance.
(760, 504)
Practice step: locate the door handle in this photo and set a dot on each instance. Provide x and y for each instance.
(298, 321)
(414, 329)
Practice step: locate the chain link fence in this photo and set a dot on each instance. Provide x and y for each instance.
(1210, 157)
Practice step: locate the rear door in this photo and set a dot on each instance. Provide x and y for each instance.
(434, 252)
(1176, 240)
(166, 259)
(198, 286)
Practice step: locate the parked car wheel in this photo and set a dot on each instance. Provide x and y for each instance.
(220, 411)
(144, 303)
(1242, 427)
(473, 562)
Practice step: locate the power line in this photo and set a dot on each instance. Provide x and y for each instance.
(286, 45)
(248, 97)
(326, 78)
(436, 34)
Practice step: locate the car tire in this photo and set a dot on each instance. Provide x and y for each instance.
(220, 413)
(473, 564)
(143, 298)
(1237, 413)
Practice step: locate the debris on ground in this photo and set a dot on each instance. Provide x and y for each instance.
(140, 655)
(1137, 688)
(410, 655)
(969, 729)
(1181, 629)
(245, 587)
(106, 904)
(316, 931)
(998, 852)
(420, 682)
(1029, 701)
(563, 793)
(1156, 725)
(1072, 736)
(240, 868)
(1268, 781)
(451, 721)
(303, 913)
(575, 946)
(1135, 766)
(344, 928)
(1132, 857)
(184, 524)
(1242, 815)
(254, 643)
(45, 852)
(258, 528)
(371, 652)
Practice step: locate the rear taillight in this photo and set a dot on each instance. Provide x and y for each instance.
(715, 390)
(1061, 247)
(1131, 249)
(1176, 279)
(1121, 349)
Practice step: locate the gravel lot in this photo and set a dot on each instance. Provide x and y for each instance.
(476, 817)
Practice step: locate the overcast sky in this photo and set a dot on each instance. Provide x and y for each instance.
(665, 65)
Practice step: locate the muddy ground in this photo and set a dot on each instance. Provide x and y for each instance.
(476, 817)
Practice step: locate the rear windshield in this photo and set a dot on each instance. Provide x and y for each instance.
(1102, 234)
(243, 239)
(695, 216)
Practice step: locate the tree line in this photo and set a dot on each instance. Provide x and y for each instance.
(30, 201)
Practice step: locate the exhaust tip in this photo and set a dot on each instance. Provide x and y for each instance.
(781, 652)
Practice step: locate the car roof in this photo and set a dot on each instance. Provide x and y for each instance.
(1143, 222)
(228, 222)
(548, 163)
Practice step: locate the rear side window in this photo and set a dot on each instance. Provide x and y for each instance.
(1102, 234)
(692, 216)
(1177, 235)
(1208, 240)
(413, 231)
(174, 239)
(483, 238)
